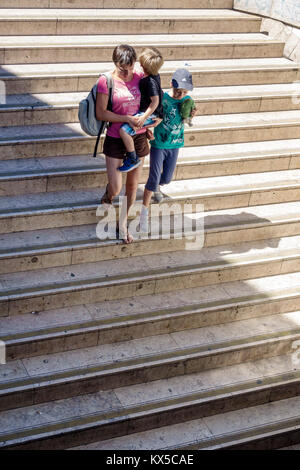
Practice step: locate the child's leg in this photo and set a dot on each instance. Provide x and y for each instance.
(128, 140)
(126, 132)
(169, 165)
(147, 197)
(131, 161)
(156, 164)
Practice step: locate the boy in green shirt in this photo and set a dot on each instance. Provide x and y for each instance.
(168, 139)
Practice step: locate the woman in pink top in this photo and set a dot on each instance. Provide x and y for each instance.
(125, 103)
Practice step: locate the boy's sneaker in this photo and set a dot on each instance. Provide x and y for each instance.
(129, 164)
(158, 196)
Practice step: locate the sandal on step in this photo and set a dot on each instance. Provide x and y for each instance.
(106, 199)
(123, 235)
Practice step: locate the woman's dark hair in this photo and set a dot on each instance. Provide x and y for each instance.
(124, 55)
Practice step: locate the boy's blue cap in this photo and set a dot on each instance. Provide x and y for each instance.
(182, 78)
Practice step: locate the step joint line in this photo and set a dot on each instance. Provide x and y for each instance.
(159, 315)
(154, 407)
(167, 357)
(152, 275)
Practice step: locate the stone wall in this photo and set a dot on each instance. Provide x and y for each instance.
(282, 21)
(287, 11)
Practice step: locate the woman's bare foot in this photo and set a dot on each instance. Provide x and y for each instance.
(129, 238)
(123, 234)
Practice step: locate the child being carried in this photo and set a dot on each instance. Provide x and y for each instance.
(150, 107)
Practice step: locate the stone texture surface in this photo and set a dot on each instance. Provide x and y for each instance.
(71, 4)
(284, 10)
(207, 428)
(290, 36)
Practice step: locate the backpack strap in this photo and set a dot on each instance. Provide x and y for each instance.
(110, 86)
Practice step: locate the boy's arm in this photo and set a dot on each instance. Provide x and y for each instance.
(153, 105)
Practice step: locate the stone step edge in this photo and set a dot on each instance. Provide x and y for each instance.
(270, 45)
(128, 320)
(40, 106)
(67, 5)
(74, 4)
(34, 54)
(183, 161)
(91, 205)
(152, 412)
(163, 16)
(152, 275)
(275, 68)
(162, 40)
(99, 374)
(88, 243)
(260, 437)
(218, 128)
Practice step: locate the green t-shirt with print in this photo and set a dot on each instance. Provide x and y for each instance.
(169, 134)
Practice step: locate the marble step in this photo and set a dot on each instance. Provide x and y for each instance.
(124, 21)
(61, 173)
(68, 139)
(129, 417)
(79, 207)
(90, 325)
(55, 376)
(68, 246)
(53, 108)
(116, 4)
(62, 49)
(79, 77)
(65, 286)
(266, 426)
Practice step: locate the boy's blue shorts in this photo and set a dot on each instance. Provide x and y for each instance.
(128, 129)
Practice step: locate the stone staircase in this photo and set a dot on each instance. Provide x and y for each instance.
(150, 345)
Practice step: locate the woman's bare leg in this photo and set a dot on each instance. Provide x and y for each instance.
(113, 175)
(132, 181)
(115, 187)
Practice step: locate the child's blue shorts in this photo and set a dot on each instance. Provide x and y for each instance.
(128, 129)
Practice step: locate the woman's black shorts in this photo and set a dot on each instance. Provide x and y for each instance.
(115, 148)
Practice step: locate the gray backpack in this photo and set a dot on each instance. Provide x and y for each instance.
(87, 112)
